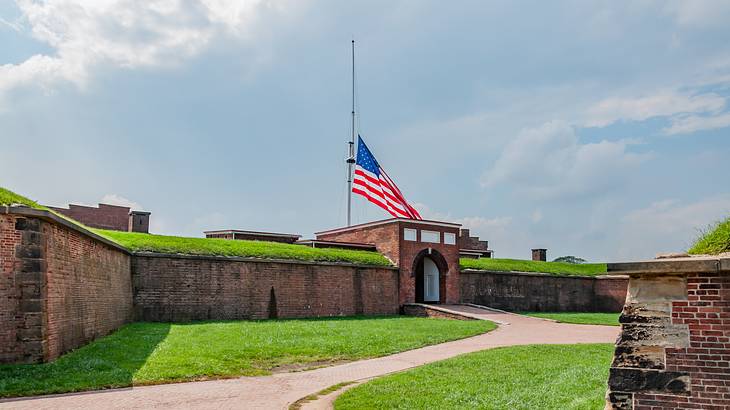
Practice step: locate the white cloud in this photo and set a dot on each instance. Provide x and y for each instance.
(667, 225)
(659, 104)
(693, 123)
(114, 199)
(699, 13)
(123, 33)
(550, 162)
(536, 216)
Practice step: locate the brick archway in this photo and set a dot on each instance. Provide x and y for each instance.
(417, 273)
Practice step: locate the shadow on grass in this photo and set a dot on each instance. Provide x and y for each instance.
(109, 362)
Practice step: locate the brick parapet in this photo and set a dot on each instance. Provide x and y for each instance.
(533, 291)
(674, 347)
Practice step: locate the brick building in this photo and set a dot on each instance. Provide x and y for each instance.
(426, 253)
(105, 216)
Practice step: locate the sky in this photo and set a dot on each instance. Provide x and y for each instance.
(597, 129)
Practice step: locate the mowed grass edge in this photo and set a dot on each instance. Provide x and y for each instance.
(516, 265)
(715, 239)
(579, 318)
(153, 353)
(520, 377)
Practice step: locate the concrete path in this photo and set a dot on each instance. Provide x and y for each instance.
(280, 390)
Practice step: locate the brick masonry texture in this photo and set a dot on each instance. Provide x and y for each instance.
(174, 288)
(389, 241)
(674, 347)
(10, 239)
(60, 289)
(89, 289)
(521, 292)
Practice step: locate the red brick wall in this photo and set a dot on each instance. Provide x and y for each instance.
(9, 297)
(184, 288)
(519, 292)
(89, 289)
(104, 217)
(60, 288)
(388, 239)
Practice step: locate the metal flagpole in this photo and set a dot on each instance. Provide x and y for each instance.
(351, 157)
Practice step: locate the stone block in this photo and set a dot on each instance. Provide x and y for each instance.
(31, 306)
(28, 251)
(30, 291)
(32, 238)
(619, 401)
(30, 334)
(643, 380)
(658, 313)
(647, 357)
(29, 277)
(649, 335)
(657, 289)
(28, 224)
(31, 265)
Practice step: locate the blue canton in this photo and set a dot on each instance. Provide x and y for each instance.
(365, 158)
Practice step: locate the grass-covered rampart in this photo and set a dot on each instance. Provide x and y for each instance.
(713, 241)
(515, 265)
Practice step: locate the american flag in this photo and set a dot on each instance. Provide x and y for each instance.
(372, 182)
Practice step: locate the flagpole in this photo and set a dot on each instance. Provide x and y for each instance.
(351, 157)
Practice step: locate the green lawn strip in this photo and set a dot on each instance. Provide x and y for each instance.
(521, 377)
(301, 402)
(143, 242)
(516, 265)
(715, 240)
(580, 318)
(150, 353)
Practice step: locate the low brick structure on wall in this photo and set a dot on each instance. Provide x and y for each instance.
(541, 292)
(674, 347)
(175, 288)
(61, 286)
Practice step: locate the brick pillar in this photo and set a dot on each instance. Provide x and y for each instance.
(30, 282)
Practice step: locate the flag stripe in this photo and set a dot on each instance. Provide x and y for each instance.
(372, 182)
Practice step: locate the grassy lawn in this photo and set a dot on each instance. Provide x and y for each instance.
(143, 242)
(558, 268)
(522, 377)
(715, 240)
(580, 318)
(149, 353)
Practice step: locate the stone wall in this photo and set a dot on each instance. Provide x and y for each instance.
(539, 292)
(184, 288)
(62, 286)
(674, 347)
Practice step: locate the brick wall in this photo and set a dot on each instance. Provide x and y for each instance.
(540, 292)
(89, 289)
(61, 287)
(9, 293)
(184, 288)
(388, 239)
(674, 347)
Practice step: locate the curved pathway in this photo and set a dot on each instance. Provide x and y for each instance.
(279, 390)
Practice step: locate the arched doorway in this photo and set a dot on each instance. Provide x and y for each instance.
(430, 273)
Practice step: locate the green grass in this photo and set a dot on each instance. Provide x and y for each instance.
(715, 240)
(515, 265)
(148, 353)
(143, 242)
(9, 198)
(523, 377)
(580, 318)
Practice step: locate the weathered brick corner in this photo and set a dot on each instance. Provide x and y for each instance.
(674, 347)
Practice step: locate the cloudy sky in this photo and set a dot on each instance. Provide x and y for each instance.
(597, 129)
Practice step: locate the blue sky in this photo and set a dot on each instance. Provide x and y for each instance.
(597, 129)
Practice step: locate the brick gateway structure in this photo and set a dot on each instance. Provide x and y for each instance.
(62, 286)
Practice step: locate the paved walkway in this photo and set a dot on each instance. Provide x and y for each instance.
(280, 390)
